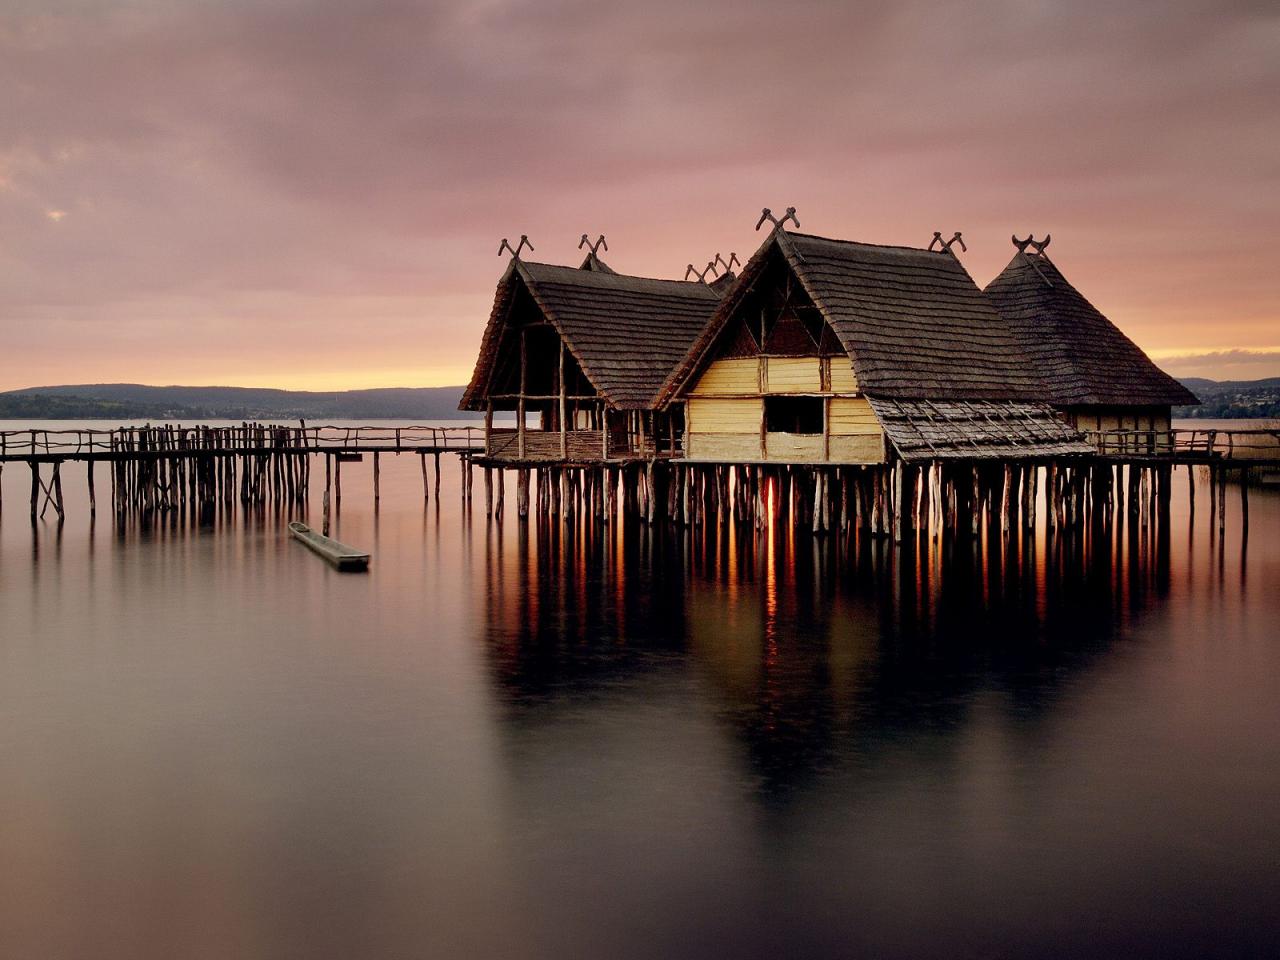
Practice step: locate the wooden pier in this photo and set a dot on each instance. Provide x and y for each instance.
(169, 467)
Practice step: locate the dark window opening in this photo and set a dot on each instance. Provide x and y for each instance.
(793, 414)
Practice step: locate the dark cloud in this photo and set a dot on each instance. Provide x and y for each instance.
(208, 168)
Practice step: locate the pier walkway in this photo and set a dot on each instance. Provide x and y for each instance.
(170, 466)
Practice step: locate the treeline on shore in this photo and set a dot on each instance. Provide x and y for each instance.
(1227, 399)
(1232, 399)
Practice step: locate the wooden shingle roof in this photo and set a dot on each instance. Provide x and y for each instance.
(626, 333)
(913, 322)
(924, 430)
(1082, 356)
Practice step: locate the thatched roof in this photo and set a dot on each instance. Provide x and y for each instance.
(592, 262)
(913, 322)
(625, 332)
(923, 430)
(1081, 355)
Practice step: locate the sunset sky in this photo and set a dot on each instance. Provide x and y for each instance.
(311, 194)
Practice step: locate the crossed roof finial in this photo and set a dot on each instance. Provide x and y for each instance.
(1037, 246)
(720, 261)
(945, 245)
(701, 274)
(515, 251)
(767, 214)
(593, 247)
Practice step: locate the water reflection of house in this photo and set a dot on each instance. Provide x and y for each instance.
(1099, 378)
(587, 351)
(834, 352)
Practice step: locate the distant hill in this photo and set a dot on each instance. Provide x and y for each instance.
(117, 401)
(1232, 399)
(1225, 399)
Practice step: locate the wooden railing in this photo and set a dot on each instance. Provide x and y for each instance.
(89, 443)
(580, 445)
(1209, 444)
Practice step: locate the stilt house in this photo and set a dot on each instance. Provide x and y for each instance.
(833, 352)
(587, 351)
(1099, 378)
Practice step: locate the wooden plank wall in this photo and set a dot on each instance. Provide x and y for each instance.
(725, 413)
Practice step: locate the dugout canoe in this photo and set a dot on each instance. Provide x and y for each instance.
(338, 554)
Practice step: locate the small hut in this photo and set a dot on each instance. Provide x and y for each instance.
(1099, 378)
(586, 350)
(834, 352)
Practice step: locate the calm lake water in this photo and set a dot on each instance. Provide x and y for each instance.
(562, 742)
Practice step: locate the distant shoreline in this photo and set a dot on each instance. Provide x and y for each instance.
(1220, 400)
(131, 401)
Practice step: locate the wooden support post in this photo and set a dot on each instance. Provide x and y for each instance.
(488, 492)
(648, 492)
(522, 493)
(817, 501)
(975, 514)
(686, 495)
(1052, 484)
(93, 497)
(1004, 499)
(436, 456)
(520, 417)
(564, 426)
(1244, 501)
(377, 479)
(826, 429)
(35, 486)
(57, 488)
(842, 479)
(1222, 503)
(422, 462)
(899, 513)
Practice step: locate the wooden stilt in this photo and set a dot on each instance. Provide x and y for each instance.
(1244, 501)
(57, 489)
